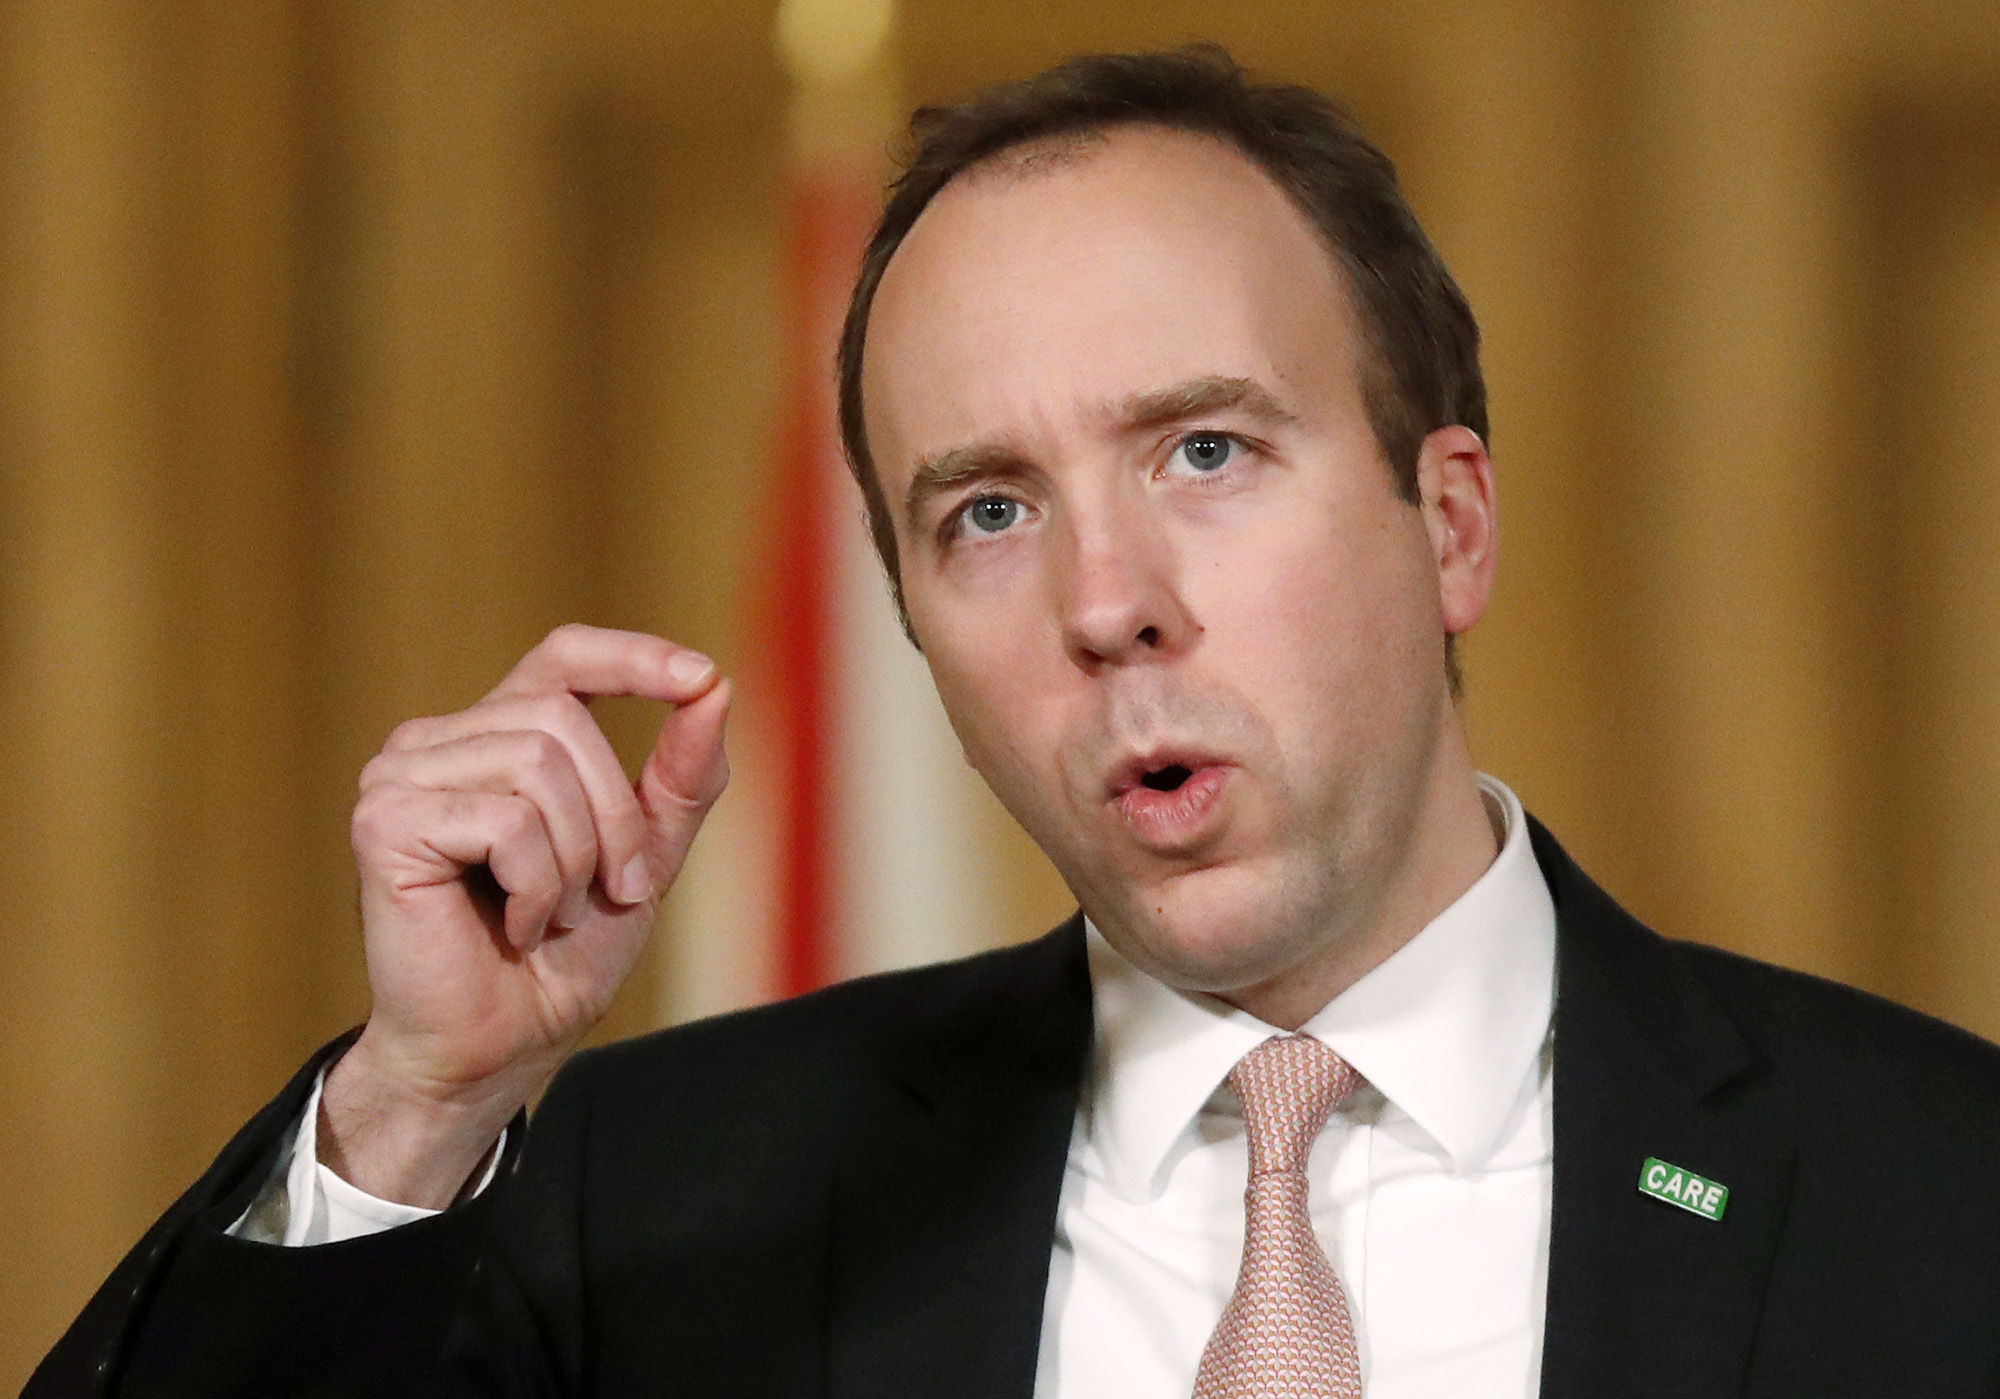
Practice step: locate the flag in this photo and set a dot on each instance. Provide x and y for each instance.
(850, 840)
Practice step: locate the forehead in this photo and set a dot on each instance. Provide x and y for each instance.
(1053, 284)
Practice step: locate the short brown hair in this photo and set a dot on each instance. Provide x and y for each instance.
(1422, 372)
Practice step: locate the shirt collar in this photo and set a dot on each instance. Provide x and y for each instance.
(1448, 1029)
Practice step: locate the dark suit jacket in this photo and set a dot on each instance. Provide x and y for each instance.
(853, 1195)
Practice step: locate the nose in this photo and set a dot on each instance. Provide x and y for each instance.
(1121, 602)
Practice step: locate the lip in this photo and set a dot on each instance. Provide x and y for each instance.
(1175, 821)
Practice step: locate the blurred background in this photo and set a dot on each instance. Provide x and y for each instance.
(346, 348)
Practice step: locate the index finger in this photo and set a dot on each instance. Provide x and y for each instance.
(586, 661)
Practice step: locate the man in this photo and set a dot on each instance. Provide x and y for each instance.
(1172, 430)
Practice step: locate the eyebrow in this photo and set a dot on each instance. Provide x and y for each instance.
(1199, 397)
(1155, 408)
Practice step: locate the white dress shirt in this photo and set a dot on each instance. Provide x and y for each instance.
(1430, 1190)
(305, 1203)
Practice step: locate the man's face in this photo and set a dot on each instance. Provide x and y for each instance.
(1180, 619)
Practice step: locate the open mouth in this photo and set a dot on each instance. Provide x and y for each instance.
(1170, 801)
(1161, 771)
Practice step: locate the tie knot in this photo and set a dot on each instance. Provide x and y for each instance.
(1288, 1088)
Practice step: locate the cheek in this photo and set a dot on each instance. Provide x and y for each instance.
(1299, 596)
(1333, 631)
(1010, 728)
(998, 701)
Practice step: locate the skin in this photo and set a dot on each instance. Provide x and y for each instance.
(1112, 390)
(1108, 561)
(478, 998)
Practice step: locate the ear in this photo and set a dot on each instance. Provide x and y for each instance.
(1455, 479)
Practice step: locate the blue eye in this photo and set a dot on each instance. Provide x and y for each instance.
(990, 514)
(1206, 452)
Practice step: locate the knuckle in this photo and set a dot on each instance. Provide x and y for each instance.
(562, 712)
(376, 817)
(663, 796)
(519, 819)
(411, 733)
(710, 790)
(566, 636)
(544, 754)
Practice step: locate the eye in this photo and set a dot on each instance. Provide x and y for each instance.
(1204, 453)
(990, 514)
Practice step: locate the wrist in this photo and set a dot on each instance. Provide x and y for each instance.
(402, 1138)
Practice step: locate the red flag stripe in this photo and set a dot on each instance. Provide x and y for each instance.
(829, 217)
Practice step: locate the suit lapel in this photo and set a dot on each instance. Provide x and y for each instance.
(944, 1219)
(1645, 1298)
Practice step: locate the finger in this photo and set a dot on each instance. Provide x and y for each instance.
(526, 763)
(581, 660)
(614, 809)
(420, 838)
(684, 775)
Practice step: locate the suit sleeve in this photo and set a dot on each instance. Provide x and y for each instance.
(194, 1311)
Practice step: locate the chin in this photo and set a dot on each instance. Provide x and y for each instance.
(1215, 930)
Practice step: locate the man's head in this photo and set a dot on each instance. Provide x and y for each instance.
(1422, 368)
(1180, 601)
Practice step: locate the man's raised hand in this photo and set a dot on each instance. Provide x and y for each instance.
(509, 878)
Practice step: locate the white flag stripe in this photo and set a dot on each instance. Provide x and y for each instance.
(916, 882)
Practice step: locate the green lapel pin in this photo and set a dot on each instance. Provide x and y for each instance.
(1679, 1186)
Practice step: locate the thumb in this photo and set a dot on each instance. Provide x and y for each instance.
(684, 774)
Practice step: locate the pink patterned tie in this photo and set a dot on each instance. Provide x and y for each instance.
(1285, 1333)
